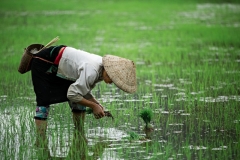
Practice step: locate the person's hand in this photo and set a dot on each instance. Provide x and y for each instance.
(98, 111)
(101, 106)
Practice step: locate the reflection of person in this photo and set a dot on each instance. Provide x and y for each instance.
(77, 150)
(61, 73)
(80, 150)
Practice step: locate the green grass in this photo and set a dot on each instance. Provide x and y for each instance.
(188, 59)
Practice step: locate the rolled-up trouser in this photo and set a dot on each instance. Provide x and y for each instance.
(75, 107)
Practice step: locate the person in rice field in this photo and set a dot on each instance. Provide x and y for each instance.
(65, 74)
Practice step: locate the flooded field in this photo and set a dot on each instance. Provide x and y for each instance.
(187, 124)
(188, 60)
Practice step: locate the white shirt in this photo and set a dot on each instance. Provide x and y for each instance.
(84, 68)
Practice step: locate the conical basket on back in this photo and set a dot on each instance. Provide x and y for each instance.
(29, 52)
(25, 63)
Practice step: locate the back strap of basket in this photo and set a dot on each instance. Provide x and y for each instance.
(43, 59)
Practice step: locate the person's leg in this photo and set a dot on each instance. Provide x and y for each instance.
(41, 125)
(40, 80)
(41, 142)
(78, 116)
(78, 120)
(49, 93)
(78, 149)
(49, 89)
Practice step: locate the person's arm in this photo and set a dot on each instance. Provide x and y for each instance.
(81, 88)
(95, 101)
(97, 109)
(91, 102)
(80, 91)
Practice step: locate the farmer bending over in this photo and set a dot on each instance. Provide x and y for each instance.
(71, 76)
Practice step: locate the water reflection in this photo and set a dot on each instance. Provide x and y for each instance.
(77, 150)
(173, 125)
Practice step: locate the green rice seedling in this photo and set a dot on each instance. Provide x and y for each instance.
(133, 136)
(147, 115)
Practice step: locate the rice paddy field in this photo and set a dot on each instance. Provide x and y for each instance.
(187, 55)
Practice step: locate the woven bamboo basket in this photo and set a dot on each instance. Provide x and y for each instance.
(25, 63)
